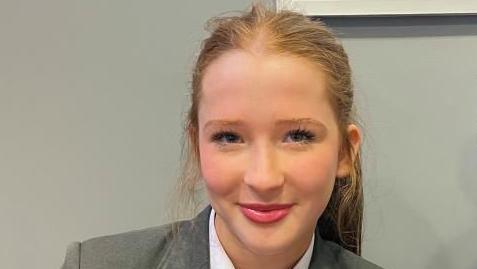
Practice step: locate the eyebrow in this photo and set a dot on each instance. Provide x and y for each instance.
(292, 121)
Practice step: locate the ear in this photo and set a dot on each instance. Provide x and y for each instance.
(346, 161)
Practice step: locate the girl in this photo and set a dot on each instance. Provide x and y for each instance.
(272, 136)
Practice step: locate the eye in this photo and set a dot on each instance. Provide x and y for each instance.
(225, 137)
(300, 136)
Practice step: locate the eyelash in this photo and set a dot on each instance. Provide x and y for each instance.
(306, 135)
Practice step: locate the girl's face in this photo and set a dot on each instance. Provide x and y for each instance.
(268, 143)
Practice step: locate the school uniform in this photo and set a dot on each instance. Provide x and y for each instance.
(189, 244)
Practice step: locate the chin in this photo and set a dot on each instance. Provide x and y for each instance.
(259, 244)
(259, 248)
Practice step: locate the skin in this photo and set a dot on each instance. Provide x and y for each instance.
(255, 99)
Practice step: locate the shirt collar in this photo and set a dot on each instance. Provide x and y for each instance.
(220, 260)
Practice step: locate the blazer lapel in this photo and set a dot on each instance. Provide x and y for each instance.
(323, 256)
(189, 247)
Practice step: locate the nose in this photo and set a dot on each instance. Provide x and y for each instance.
(263, 173)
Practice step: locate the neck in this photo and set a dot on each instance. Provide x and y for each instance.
(243, 257)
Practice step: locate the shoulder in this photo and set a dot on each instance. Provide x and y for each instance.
(331, 255)
(349, 259)
(134, 249)
(154, 247)
(135, 241)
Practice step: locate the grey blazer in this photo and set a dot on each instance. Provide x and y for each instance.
(181, 245)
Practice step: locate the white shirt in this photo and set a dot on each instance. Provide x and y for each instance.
(220, 260)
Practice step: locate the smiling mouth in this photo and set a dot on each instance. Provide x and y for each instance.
(265, 213)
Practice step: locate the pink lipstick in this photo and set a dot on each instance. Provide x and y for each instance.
(265, 213)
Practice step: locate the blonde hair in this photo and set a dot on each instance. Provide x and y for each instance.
(291, 33)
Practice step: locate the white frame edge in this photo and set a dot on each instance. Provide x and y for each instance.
(379, 7)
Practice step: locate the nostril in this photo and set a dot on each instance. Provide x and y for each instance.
(262, 182)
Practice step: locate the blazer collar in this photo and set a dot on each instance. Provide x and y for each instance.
(190, 245)
(322, 257)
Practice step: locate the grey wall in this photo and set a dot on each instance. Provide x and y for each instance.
(91, 101)
(416, 80)
(92, 94)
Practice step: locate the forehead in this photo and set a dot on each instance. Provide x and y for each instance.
(239, 68)
(242, 84)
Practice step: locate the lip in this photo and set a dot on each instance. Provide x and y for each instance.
(265, 213)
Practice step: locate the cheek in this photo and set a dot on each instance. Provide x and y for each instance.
(315, 174)
(220, 175)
